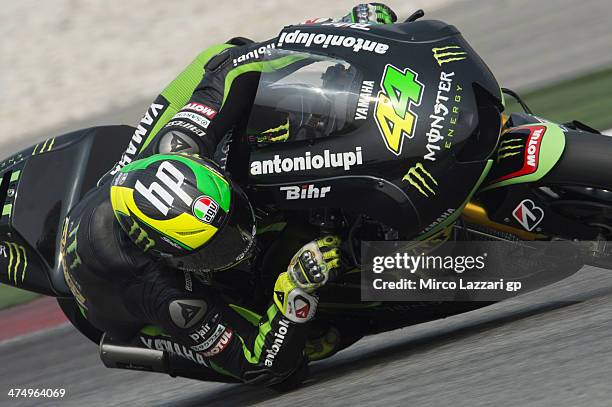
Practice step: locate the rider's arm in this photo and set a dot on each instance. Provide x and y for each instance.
(227, 90)
(201, 105)
(237, 342)
(173, 98)
(212, 94)
(258, 349)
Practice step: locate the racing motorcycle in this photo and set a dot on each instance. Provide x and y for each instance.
(380, 133)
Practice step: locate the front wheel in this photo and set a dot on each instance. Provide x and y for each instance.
(582, 182)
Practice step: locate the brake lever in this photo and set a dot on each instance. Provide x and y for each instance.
(415, 16)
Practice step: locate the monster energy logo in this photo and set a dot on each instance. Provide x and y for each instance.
(72, 248)
(141, 237)
(46, 146)
(267, 136)
(18, 261)
(448, 54)
(420, 178)
(507, 148)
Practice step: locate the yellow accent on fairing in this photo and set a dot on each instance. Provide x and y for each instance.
(198, 233)
(504, 118)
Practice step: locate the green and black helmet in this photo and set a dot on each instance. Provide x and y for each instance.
(180, 208)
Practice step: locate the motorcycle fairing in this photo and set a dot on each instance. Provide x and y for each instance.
(444, 222)
(529, 210)
(528, 157)
(39, 186)
(451, 125)
(526, 154)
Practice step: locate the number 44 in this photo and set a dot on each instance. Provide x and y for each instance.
(400, 91)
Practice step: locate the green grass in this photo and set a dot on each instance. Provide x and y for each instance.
(587, 99)
(10, 296)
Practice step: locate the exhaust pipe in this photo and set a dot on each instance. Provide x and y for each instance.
(133, 358)
(119, 356)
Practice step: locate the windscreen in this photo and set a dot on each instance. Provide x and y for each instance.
(303, 96)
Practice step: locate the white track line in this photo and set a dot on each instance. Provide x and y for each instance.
(35, 334)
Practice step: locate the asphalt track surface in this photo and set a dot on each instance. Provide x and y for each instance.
(552, 347)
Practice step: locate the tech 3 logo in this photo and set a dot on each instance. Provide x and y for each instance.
(421, 179)
(400, 92)
(449, 53)
(528, 214)
(18, 261)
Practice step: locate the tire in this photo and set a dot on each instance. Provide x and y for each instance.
(586, 161)
(74, 315)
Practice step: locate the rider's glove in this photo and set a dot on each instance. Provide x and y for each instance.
(372, 13)
(312, 266)
(315, 263)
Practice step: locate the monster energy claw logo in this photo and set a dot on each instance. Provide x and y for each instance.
(45, 148)
(18, 261)
(448, 54)
(507, 148)
(72, 248)
(420, 178)
(141, 236)
(276, 134)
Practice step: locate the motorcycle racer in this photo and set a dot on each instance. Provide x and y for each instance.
(144, 256)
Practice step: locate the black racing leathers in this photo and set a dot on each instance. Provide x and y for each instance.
(121, 290)
(133, 297)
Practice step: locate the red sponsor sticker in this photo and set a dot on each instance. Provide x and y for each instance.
(301, 308)
(205, 208)
(201, 109)
(531, 156)
(221, 344)
(528, 214)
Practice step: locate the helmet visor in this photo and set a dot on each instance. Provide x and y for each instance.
(232, 243)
